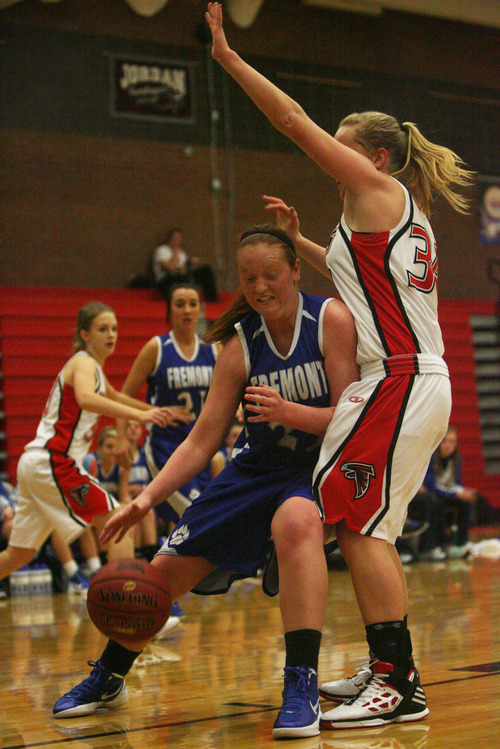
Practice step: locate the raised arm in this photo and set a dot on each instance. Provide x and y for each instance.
(143, 366)
(140, 370)
(287, 116)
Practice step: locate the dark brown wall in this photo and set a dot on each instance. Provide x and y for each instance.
(84, 205)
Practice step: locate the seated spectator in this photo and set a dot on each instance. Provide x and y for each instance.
(444, 503)
(457, 499)
(427, 508)
(223, 456)
(102, 464)
(172, 265)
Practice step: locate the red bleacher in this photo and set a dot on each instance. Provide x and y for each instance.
(36, 329)
(36, 333)
(454, 317)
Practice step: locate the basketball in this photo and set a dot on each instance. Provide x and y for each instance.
(128, 599)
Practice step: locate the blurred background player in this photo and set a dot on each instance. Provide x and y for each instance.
(54, 491)
(177, 367)
(224, 455)
(138, 477)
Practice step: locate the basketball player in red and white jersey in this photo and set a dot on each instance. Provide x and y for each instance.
(382, 258)
(55, 492)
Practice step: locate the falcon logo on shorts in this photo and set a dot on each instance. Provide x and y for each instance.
(79, 493)
(360, 473)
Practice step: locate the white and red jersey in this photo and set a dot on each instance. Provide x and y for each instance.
(389, 282)
(65, 428)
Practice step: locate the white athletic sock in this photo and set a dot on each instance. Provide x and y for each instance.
(71, 568)
(93, 564)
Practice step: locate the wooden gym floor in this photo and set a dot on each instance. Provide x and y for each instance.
(215, 683)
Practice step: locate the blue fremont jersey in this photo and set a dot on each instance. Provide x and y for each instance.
(139, 474)
(178, 381)
(299, 377)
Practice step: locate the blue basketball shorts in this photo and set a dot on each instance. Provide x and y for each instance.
(230, 522)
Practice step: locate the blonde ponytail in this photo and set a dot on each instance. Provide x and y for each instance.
(431, 170)
(427, 169)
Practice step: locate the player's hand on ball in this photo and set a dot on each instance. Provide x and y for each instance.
(123, 519)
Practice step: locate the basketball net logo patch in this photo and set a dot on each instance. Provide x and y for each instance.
(360, 473)
(79, 493)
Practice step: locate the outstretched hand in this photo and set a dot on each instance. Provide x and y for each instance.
(181, 415)
(286, 216)
(214, 20)
(161, 416)
(123, 519)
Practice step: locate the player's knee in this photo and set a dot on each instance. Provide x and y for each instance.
(299, 526)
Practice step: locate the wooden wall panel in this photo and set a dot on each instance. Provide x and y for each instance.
(84, 198)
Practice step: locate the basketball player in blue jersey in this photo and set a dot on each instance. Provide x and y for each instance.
(382, 258)
(177, 367)
(289, 356)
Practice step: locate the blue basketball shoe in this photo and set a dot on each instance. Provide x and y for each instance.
(101, 689)
(300, 713)
(78, 584)
(177, 611)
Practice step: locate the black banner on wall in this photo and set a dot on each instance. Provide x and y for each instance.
(152, 89)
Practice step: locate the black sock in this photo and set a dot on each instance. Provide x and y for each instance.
(118, 659)
(389, 642)
(302, 648)
(408, 638)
